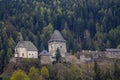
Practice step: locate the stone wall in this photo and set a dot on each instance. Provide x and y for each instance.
(53, 47)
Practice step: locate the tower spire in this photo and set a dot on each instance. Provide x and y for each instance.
(21, 38)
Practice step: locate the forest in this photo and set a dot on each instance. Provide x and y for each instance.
(29, 70)
(85, 24)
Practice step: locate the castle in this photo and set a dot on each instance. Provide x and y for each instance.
(57, 42)
(26, 49)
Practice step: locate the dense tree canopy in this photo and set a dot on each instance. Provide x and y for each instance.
(107, 70)
(19, 75)
(33, 73)
(85, 24)
(45, 72)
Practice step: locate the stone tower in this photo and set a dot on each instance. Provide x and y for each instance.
(57, 42)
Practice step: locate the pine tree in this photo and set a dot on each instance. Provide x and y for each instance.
(117, 70)
(97, 75)
(58, 55)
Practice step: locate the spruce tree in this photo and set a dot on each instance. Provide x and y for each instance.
(58, 55)
(97, 75)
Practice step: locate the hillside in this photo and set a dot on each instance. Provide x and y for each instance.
(23, 64)
(85, 24)
(64, 71)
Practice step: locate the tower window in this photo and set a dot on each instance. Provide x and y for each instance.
(22, 54)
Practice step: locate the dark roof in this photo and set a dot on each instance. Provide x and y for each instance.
(44, 53)
(26, 44)
(57, 37)
(113, 50)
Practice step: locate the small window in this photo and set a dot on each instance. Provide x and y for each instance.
(60, 46)
(22, 54)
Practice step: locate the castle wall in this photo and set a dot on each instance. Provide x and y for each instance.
(45, 60)
(53, 47)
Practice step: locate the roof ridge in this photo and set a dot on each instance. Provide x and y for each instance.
(28, 45)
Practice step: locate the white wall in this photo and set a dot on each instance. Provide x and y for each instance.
(84, 59)
(15, 55)
(113, 54)
(22, 52)
(32, 54)
(54, 45)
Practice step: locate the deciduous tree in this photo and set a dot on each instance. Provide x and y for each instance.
(45, 72)
(19, 75)
(33, 73)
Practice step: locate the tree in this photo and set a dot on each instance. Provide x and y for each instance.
(41, 78)
(60, 75)
(33, 73)
(118, 46)
(97, 75)
(117, 70)
(58, 55)
(19, 75)
(69, 40)
(75, 70)
(45, 36)
(1, 60)
(45, 72)
(8, 55)
(11, 42)
(88, 41)
(99, 37)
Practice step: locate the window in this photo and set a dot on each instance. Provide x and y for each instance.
(51, 47)
(22, 54)
(60, 46)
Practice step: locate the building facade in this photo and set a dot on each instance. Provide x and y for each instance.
(25, 49)
(112, 53)
(98, 54)
(57, 42)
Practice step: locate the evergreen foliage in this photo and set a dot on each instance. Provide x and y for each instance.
(85, 24)
(97, 71)
(58, 55)
(66, 71)
(117, 70)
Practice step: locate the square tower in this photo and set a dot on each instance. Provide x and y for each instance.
(57, 42)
